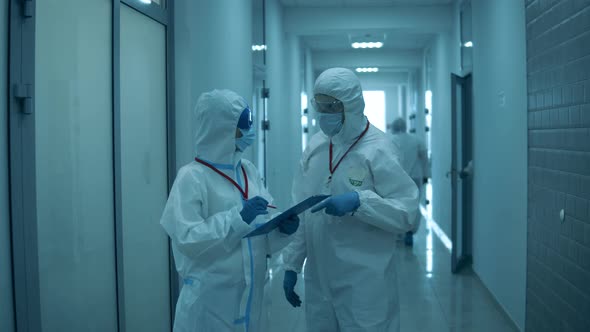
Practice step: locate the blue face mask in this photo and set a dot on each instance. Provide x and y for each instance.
(331, 124)
(248, 137)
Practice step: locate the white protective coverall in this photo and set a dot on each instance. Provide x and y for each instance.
(223, 273)
(414, 160)
(350, 274)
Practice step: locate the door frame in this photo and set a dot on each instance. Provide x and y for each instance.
(22, 171)
(164, 16)
(462, 201)
(22, 154)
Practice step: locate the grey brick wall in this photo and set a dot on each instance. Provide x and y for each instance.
(558, 254)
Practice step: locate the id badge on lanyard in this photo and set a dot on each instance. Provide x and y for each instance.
(332, 168)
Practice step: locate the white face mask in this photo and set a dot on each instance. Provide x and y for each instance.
(331, 124)
(248, 137)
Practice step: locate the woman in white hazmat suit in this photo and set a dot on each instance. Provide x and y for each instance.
(214, 202)
(350, 274)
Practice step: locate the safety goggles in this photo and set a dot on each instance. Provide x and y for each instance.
(333, 106)
(246, 119)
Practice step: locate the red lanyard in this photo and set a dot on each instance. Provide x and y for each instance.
(244, 193)
(332, 170)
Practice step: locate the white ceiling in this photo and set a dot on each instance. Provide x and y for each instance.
(334, 42)
(362, 3)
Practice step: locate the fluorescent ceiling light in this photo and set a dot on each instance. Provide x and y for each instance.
(258, 48)
(367, 45)
(468, 44)
(367, 70)
(146, 1)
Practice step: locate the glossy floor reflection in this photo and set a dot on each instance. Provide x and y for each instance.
(431, 298)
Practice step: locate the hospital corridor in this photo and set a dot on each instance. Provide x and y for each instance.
(294, 165)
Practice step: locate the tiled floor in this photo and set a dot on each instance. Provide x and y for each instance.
(431, 298)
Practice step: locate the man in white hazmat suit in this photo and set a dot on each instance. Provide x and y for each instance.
(348, 239)
(214, 202)
(414, 160)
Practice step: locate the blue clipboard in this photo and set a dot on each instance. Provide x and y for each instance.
(295, 210)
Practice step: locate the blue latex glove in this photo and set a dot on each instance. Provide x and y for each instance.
(339, 205)
(290, 225)
(289, 287)
(253, 208)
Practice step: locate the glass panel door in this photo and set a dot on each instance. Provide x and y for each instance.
(144, 172)
(74, 165)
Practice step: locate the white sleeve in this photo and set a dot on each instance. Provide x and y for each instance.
(394, 203)
(190, 229)
(295, 253)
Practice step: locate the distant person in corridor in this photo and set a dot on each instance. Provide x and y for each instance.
(414, 160)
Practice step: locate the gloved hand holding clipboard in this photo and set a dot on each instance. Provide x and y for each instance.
(295, 210)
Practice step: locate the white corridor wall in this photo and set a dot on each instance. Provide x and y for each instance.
(500, 153)
(284, 136)
(213, 50)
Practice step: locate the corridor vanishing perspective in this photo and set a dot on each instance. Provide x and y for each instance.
(141, 141)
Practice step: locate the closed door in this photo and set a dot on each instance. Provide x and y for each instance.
(88, 166)
(144, 172)
(461, 172)
(74, 165)
(6, 300)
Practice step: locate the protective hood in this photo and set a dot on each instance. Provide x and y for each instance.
(216, 118)
(345, 86)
